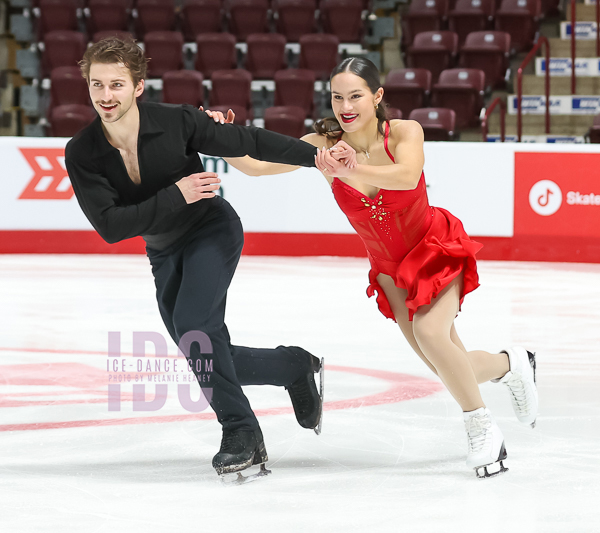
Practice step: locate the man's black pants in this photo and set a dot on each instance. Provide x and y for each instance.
(192, 278)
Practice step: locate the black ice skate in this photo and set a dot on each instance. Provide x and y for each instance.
(240, 450)
(307, 400)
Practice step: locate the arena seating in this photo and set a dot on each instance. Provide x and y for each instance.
(183, 87)
(520, 19)
(232, 87)
(342, 18)
(295, 87)
(295, 18)
(201, 16)
(247, 16)
(265, 55)
(164, 48)
(68, 87)
(108, 15)
(215, 51)
(288, 120)
(460, 89)
(67, 120)
(438, 123)
(422, 16)
(154, 15)
(319, 53)
(488, 51)
(407, 89)
(434, 51)
(469, 16)
(62, 48)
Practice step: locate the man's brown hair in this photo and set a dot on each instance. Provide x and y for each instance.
(114, 50)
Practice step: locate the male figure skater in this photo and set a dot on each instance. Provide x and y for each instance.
(136, 171)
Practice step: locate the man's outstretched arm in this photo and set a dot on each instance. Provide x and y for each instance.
(230, 140)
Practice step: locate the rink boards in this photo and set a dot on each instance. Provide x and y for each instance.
(522, 202)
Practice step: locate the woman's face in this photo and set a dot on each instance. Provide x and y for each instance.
(352, 101)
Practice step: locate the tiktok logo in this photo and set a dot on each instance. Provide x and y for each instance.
(545, 198)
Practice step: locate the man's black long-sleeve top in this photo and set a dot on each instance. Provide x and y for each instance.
(169, 140)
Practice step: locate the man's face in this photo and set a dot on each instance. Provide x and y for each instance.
(112, 91)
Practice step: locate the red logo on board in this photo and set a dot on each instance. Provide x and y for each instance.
(557, 194)
(50, 180)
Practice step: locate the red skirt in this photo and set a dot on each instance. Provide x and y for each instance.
(444, 252)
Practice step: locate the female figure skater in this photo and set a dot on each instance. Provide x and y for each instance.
(422, 261)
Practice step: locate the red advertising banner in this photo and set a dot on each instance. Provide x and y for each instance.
(557, 194)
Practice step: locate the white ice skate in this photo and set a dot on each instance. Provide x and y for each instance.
(485, 443)
(520, 380)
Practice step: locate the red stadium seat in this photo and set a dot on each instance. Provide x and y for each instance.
(155, 15)
(165, 50)
(469, 16)
(215, 51)
(67, 120)
(67, 86)
(296, 87)
(438, 123)
(407, 88)
(201, 16)
(232, 87)
(520, 19)
(295, 18)
(422, 15)
(488, 51)
(183, 87)
(460, 89)
(247, 17)
(99, 35)
(108, 15)
(319, 53)
(62, 48)
(343, 18)
(57, 15)
(434, 51)
(288, 120)
(266, 55)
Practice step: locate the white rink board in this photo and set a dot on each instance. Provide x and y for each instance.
(475, 181)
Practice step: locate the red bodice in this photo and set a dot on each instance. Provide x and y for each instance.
(392, 223)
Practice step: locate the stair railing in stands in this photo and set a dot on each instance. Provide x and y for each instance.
(541, 41)
(488, 112)
(574, 45)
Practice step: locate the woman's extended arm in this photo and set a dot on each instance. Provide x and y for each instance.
(403, 175)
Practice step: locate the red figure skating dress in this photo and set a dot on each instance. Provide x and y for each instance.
(422, 248)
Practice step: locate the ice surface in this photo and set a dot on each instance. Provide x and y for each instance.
(70, 465)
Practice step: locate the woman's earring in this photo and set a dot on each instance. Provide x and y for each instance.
(376, 106)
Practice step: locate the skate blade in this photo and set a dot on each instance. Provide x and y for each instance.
(237, 478)
(487, 474)
(321, 390)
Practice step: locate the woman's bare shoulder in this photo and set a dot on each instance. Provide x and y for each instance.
(405, 129)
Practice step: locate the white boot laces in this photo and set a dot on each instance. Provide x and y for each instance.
(478, 431)
(516, 386)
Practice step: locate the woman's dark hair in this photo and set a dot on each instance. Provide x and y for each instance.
(365, 69)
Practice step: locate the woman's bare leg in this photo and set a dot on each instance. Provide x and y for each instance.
(486, 365)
